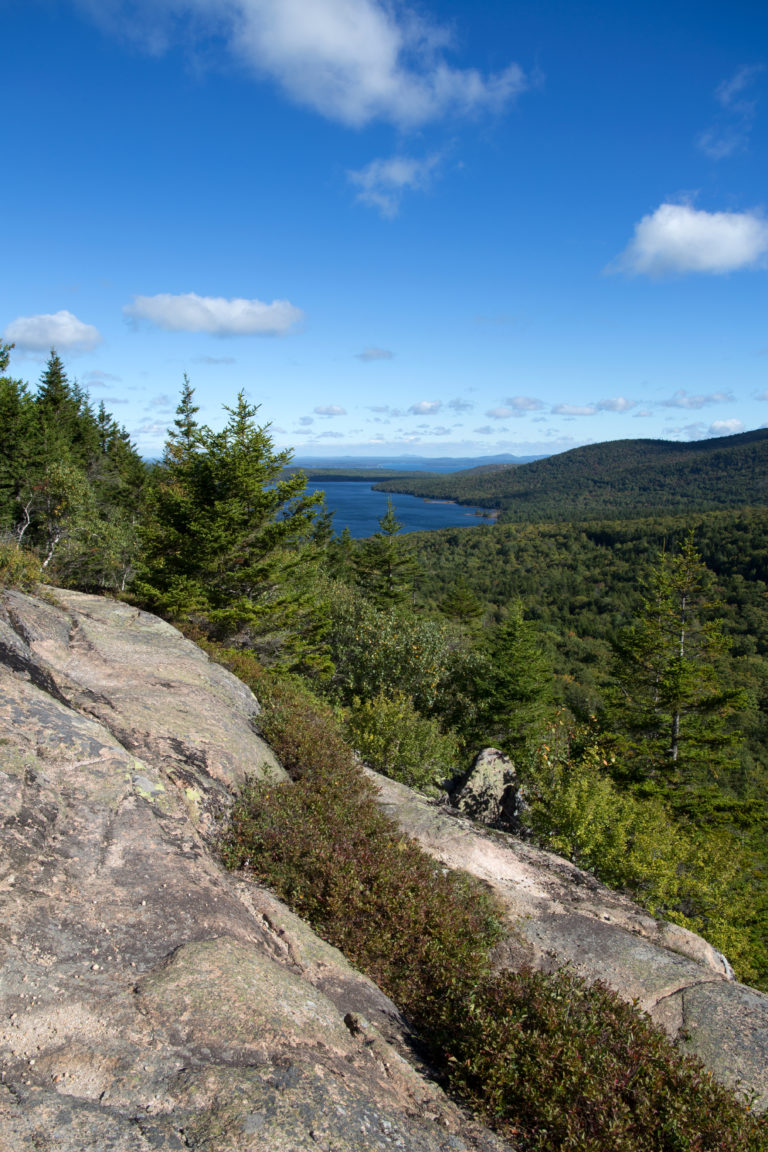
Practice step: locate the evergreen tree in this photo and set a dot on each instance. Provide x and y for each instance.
(671, 703)
(17, 451)
(461, 603)
(339, 557)
(513, 691)
(384, 565)
(67, 426)
(225, 536)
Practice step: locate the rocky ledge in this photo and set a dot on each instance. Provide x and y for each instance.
(150, 1000)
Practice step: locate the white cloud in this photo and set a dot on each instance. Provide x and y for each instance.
(459, 405)
(486, 430)
(501, 413)
(329, 410)
(369, 354)
(616, 404)
(383, 182)
(189, 312)
(524, 404)
(350, 60)
(59, 330)
(574, 410)
(425, 408)
(726, 428)
(678, 239)
(305, 421)
(681, 399)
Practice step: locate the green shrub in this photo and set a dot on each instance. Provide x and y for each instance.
(390, 735)
(421, 932)
(18, 567)
(563, 1065)
(692, 876)
(553, 1065)
(386, 650)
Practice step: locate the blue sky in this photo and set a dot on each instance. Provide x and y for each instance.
(435, 228)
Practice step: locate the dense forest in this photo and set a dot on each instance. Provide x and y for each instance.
(615, 479)
(620, 656)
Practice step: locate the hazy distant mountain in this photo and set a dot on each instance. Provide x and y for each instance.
(407, 463)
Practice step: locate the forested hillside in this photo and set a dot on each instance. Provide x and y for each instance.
(621, 662)
(619, 478)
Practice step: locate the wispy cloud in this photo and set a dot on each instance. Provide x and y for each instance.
(329, 410)
(677, 238)
(501, 413)
(98, 379)
(370, 354)
(523, 404)
(616, 404)
(459, 405)
(574, 410)
(352, 61)
(59, 330)
(681, 399)
(189, 312)
(731, 130)
(382, 183)
(425, 408)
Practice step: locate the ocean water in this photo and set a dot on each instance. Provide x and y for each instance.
(359, 508)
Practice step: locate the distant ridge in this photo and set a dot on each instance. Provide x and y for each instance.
(614, 479)
(406, 463)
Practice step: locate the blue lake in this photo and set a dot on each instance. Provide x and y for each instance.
(359, 508)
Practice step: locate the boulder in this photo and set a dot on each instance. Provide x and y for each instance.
(149, 1000)
(489, 792)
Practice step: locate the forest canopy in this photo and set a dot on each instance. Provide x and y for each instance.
(621, 660)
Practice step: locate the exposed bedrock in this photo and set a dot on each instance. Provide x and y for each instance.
(150, 1000)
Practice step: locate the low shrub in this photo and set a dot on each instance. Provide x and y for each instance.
(560, 1064)
(692, 876)
(552, 1064)
(390, 735)
(18, 567)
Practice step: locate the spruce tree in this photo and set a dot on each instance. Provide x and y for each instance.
(384, 565)
(17, 448)
(670, 700)
(514, 690)
(226, 536)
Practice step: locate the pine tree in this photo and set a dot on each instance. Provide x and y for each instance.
(67, 426)
(384, 565)
(226, 536)
(17, 453)
(461, 603)
(671, 702)
(514, 691)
